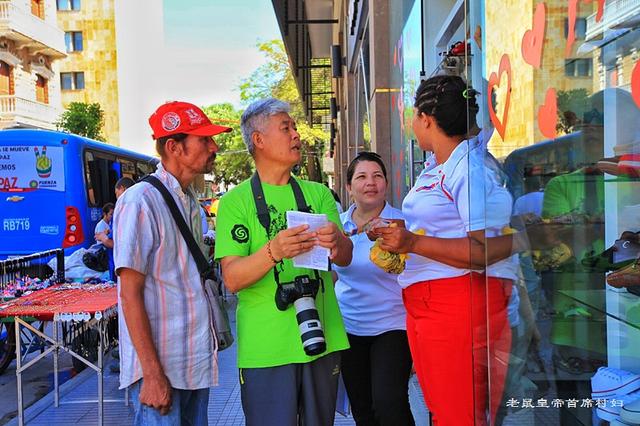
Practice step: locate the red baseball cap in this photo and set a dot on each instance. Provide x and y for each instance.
(183, 117)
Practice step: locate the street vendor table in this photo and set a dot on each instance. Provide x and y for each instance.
(89, 305)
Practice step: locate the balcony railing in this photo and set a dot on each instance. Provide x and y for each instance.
(616, 14)
(25, 27)
(17, 111)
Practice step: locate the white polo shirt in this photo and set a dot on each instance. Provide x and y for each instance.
(369, 298)
(463, 194)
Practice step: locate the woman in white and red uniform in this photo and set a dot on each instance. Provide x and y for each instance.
(458, 277)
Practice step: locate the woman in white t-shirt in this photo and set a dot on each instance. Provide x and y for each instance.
(377, 365)
(104, 235)
(102, 231)
(459, 274)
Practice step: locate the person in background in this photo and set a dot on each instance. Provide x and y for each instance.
(122, 185)
(104, 236)
(102, 231)
(377, 366)
(168, 346)
(203, 218)
(457, 284)
(335, 197)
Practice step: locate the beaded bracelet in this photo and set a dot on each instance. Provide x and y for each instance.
(273, 259)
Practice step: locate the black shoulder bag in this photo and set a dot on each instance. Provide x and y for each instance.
(218, 309)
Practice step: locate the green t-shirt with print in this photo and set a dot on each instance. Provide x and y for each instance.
(268, 337)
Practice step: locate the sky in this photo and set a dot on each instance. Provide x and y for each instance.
(189, 50)
(215, 42)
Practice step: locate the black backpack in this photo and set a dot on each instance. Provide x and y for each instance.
(96, 259)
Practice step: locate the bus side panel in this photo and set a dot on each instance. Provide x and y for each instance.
(32, 212)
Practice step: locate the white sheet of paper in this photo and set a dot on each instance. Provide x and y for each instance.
(317, 257)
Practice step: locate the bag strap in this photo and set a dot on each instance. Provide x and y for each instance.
(194, 248)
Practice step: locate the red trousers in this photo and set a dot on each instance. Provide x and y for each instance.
(460, 340)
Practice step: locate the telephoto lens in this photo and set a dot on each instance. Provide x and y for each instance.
(311, 332)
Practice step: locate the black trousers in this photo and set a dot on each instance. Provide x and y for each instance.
(376, 373)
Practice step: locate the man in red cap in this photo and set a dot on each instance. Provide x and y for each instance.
(168, 347)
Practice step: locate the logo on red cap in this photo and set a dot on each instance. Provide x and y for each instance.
(194, 116)
(170, 121)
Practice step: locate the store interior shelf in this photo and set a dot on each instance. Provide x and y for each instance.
(622, 306)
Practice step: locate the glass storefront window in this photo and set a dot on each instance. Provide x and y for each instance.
(363, 91)
(565, 118)
(558, 88)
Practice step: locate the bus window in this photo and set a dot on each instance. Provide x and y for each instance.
(91, 196)
(102, 175)
(127, 168)
(144, 169)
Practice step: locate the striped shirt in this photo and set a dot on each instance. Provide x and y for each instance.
(149, 241)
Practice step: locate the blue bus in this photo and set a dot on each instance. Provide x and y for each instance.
(53, 186)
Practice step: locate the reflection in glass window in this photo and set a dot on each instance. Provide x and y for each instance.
(68, 4)
(72, 80)
(79, 77)
(73, 41)
(66, 80)
(579, 67)
(580, 28)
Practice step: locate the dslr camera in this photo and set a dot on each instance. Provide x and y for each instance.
(302, 292)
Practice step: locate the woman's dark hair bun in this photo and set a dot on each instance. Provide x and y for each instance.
(451, 101)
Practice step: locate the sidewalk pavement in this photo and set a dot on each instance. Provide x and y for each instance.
(78, 398)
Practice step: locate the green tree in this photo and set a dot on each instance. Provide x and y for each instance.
(83, 119)
(234, 164)
(274, 79)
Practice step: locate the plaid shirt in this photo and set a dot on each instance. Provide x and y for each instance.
(147, 240)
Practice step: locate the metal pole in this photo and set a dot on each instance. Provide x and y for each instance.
(100, 373)
(60, 264)
(56, 352)
(19, 372)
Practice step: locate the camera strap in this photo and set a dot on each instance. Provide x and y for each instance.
(263, 210)
(194, 248)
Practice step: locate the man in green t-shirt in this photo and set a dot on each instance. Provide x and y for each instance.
(279, 381)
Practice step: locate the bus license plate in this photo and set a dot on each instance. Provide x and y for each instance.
(17, 224)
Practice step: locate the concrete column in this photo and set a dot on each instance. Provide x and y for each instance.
(348, 121)
(380, 78)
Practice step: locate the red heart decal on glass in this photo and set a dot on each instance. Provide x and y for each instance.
(600, 12)
(533, 39)
(572, 14)
(494, 80)
(635, 84)
(548, 115)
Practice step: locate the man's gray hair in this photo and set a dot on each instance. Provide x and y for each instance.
(255, 116)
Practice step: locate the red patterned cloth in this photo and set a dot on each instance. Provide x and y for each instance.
(44, 304)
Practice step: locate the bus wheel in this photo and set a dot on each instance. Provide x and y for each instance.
(7, 344)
